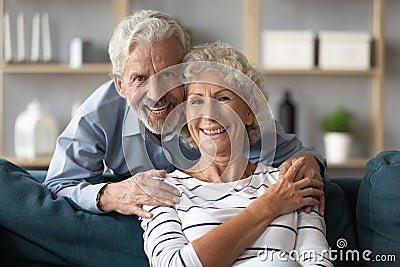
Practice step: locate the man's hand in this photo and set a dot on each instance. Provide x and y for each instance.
(128, 196)
(310, 169)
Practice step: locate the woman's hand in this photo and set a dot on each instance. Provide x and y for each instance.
(128, 196)
(288, 195)
(310, 169)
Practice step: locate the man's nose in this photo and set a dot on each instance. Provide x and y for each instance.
(154, 90)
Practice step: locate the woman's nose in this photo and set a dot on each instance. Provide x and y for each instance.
(211, 109)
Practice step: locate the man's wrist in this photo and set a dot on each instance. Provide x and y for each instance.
(320, 164)
(98, 198)
(322, 167)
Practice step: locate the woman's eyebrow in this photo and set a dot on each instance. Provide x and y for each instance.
(222, 90)
(216, 93)
(195, 94)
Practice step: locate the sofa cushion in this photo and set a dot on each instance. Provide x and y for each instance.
(37, 229)
(378, 208)
(340, 230)
(350, 186)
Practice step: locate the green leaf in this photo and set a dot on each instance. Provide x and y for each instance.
(340, 120)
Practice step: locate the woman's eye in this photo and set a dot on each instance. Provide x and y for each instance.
(196, 101)
(165, 74)
(224, 99)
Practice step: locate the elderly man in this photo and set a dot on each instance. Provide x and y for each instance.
(142, 45)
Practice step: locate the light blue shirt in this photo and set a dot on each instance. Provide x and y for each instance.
(97, 135)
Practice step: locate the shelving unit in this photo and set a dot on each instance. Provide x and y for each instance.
(251, 37)
(49, 68)
(120, 10)
(251, 15)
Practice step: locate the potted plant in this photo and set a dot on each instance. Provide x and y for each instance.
(338, 127)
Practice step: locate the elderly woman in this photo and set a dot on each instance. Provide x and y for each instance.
(231, 211)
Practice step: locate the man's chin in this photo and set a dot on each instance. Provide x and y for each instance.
(157, 127)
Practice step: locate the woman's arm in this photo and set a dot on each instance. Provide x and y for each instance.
(165, 242)
(222, 245)
(311, 243)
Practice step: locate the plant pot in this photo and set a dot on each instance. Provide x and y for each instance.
(337, 146)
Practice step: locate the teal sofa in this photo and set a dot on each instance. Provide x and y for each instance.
(362, 215)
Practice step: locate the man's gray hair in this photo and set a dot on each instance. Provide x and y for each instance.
(238, 73)
(143, 26)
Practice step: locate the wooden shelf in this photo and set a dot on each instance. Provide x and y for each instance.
(318, 71)
(54, 68)
(37, 163)
(349, 164)
(251, 42)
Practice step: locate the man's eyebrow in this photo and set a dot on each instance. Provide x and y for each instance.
(136, 73)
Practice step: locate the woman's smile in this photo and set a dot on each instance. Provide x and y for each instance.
(213, 131)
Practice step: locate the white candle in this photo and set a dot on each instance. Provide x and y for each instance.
(76, 53)
(20, 38)
(7, 39)
(46, 38)
(35, 38)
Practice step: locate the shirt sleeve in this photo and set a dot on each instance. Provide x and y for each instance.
(77, 165)
(164, 241)
(288, 146)
(311, 242)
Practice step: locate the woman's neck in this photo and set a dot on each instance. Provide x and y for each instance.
(222, 169)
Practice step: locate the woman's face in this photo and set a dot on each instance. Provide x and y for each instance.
(216, 118)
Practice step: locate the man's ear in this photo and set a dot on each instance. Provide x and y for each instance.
(118, 86)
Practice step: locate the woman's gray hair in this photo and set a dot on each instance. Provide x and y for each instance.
(143, 26)
(238, 73)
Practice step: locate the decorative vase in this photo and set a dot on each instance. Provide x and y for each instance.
(287, 113)
(35, 132)
(337, 146)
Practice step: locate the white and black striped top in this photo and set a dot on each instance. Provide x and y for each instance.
(168, 235)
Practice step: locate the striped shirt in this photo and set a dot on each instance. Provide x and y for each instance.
(204, 206)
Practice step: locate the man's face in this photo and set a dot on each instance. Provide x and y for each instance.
(151, 96)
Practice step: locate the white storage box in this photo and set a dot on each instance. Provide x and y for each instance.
(288, 49)
(339, 50)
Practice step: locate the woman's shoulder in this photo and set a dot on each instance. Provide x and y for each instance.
(179, 178)
(263, 169)
(269, 174)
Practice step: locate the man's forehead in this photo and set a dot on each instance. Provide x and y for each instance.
(152, 57)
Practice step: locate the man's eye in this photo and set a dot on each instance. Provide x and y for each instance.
(139, 78)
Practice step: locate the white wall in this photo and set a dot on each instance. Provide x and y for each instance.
(211, 20)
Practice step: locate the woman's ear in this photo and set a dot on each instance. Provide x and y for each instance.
(118, 86)
(250, 117)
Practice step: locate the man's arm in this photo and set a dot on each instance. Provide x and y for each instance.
(289, 146)
(93, 136)
(287, 149)
(76, 168)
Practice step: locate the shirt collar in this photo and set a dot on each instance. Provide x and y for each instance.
(131, 124)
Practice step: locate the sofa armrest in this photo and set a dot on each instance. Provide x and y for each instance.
(40, 176)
